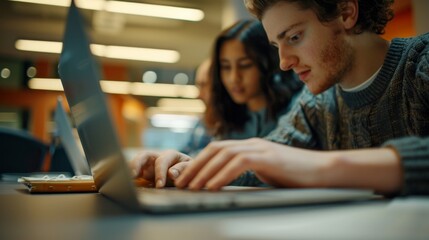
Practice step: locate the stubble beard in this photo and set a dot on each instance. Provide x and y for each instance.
(337, 60)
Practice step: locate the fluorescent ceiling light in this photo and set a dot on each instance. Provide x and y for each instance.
(181, 105)
(173, 121)
(116, 87)
(151, 10)
(38, 46)
(59, 3)
(108, 51)
(124, 87)
(166, 90)
(52, 84)
(180, 109)
(139, 54)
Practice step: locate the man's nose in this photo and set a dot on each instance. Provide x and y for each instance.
(287, 59)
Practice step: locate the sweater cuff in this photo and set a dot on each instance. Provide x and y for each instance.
(414, 154)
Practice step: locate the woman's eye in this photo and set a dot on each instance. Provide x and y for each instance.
(225, 67)
(246, 66)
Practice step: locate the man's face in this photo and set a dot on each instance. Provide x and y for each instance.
(317, 52)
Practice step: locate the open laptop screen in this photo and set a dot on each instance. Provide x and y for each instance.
(80, 76)
(65, 133)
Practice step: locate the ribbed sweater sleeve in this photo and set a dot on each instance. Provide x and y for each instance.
(414, 150)
(414, 153)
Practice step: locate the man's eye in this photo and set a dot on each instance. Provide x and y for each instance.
(294, 38)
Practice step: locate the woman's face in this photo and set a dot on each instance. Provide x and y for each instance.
(240, 75)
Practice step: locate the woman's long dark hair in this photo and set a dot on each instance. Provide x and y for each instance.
(224, 115)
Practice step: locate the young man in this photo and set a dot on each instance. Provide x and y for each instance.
(367, 102)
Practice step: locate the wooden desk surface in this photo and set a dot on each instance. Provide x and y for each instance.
(92, 216)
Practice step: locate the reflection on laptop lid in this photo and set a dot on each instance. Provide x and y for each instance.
(65, 133)
(80, 78)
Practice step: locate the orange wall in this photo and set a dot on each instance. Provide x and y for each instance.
(42, 103)
(402, 25)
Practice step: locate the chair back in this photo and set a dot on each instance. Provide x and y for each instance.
(20, 152)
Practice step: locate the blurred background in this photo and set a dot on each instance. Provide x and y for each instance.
(152, 96)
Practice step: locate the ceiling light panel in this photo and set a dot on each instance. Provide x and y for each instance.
(150, 10)
(108, 51)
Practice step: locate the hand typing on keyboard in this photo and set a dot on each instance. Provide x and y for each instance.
(158, 169)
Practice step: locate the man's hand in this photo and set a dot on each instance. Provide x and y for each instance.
(275, 164)
(159, 167)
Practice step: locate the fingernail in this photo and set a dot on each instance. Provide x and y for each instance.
(174, 173)
(159, 183)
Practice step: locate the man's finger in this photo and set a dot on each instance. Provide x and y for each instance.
(142, 161)
(163, 163)
(175, 171)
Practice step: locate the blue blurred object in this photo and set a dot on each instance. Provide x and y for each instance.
(20, 152)
(60, 162)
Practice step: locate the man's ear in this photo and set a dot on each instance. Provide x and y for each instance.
(349, 14)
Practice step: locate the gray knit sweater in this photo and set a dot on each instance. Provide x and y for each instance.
(392, 111)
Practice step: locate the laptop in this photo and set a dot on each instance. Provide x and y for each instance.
(65, 133)
(80, 77)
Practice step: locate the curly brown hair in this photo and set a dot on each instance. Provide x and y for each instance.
(373, 14)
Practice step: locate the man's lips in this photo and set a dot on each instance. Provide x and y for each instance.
(303, 75)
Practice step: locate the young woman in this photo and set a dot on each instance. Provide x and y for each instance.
(249, 93)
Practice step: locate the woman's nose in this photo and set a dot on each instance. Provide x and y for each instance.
(234, 74)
